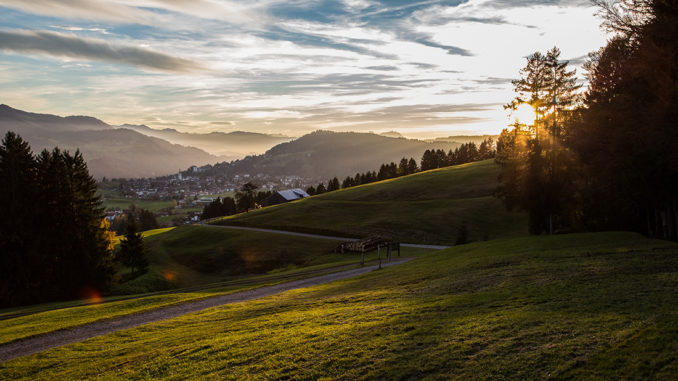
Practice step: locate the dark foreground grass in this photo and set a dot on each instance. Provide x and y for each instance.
(596, 306)
(427, 207)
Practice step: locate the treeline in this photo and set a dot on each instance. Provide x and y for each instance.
(143, 219)
(432, 159)
(605, 159)
(245, 199)
(53, 239)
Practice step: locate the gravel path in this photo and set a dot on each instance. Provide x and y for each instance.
(47, 341)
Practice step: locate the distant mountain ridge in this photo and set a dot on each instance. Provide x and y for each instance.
(232, 145)
(325, 154)
(109, 151)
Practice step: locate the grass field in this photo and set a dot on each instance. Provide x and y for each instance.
(596, 306)
(191, 255)
(427, 207)
(51, 317)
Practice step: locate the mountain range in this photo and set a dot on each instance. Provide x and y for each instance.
(126, 151)
(231, 145)
(141, 151)
(325, 154)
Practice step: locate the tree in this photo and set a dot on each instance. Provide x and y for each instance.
(310, 190)
(625, 136)
(402, 167)
(147, 220)
(245, 197)
(486, 149)
(18, 251)
(132, 253)
(347, 183)
(534, 163)
(333, 185)
(412, 166)
(429, 160)
(320, 189)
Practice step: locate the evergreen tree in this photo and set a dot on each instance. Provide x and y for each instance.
(348, 182)
(18, 252)
(429, 160)
(534, 163)
(333, 185)
(320, 189)
(403, 168)
(132, 253)
(412, 166)
(147, 220)
(245, 197)
(310, 190)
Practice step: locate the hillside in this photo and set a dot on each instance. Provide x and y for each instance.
(325, 154)
(108, 151)
(196, 255)
(231, 145)
(427, 207)
(596, 306)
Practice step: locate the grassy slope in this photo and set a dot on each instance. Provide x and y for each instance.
(177, 256)
(426, 207)
(593, 305)
(192, 255)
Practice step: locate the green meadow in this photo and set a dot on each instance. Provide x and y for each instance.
(192, 255)
(190, 263)
(595, 305)
(427, 207)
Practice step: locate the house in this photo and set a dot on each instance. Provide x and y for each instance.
(282, 196)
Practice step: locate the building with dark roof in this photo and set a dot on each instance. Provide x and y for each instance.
(279, 197)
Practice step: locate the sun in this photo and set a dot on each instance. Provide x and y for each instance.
(524, 114)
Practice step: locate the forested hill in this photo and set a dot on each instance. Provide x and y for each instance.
(328, 154)
(108, 151)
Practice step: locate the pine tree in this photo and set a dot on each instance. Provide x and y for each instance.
(412, 166)
(132, 253)
(18, 253)
(333, 185)
(402, 167)
(348, 182)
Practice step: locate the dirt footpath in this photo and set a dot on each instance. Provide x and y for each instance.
(47, 341)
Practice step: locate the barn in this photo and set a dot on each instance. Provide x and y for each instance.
(279, 197)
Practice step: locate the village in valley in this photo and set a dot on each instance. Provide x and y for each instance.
(179, 199)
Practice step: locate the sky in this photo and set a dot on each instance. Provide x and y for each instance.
(423, 68)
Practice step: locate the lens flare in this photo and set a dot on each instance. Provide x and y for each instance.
(90, 295)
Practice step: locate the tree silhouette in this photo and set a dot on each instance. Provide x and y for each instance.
(132, 253)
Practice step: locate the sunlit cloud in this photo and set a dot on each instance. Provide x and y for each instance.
(422, 67)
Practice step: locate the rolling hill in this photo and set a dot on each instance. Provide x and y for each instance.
(108, 151)
(325, 154)
(427, 207)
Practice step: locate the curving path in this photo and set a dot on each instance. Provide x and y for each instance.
(47, 341)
